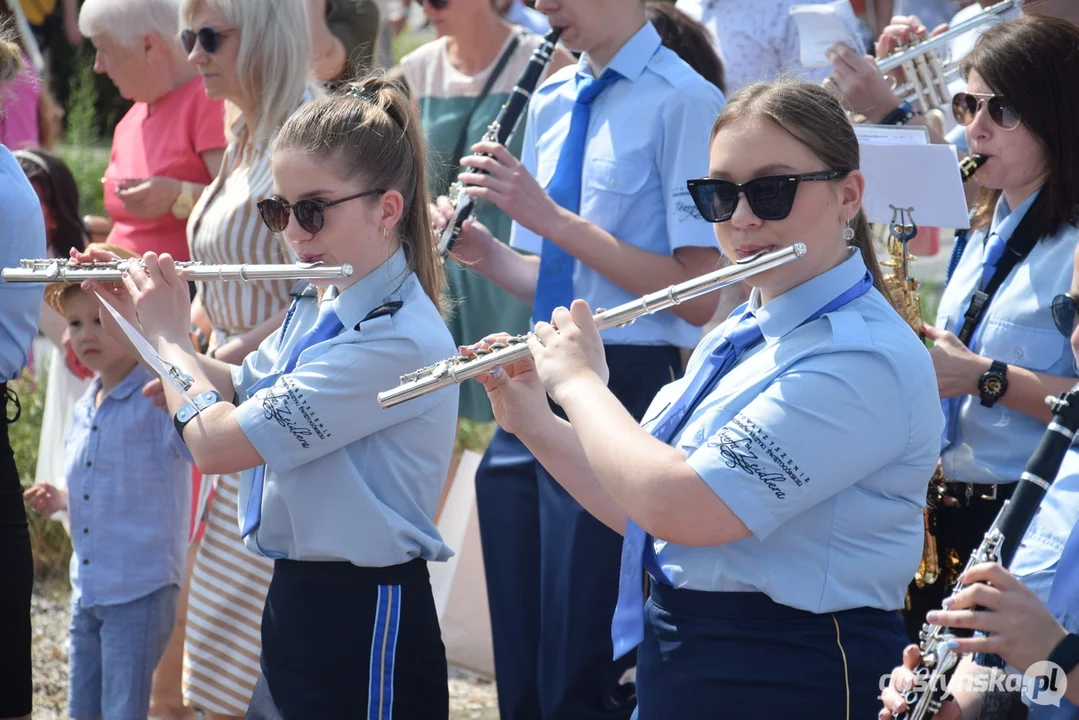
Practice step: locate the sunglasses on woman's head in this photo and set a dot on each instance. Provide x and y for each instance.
(310, 214)
(966, 105)
(770, 198)
(1064, 309)
(207, 37)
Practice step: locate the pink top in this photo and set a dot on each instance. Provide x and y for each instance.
(167, 143)
(18, 110)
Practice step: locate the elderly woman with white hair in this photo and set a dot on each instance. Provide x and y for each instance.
(255, 56)
(169, 145)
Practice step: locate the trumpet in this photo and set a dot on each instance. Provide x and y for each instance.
(927, 73)
(69, 271)
(457, 369)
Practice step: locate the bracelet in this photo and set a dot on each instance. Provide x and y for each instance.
(189, 410)
(901, 115)
(1066, 653)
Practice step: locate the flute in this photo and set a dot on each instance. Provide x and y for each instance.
(457, 369)
(68, 271)
(500, 131)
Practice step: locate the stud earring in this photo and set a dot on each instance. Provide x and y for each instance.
(848, 232)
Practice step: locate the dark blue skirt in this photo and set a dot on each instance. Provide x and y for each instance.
(741, 655)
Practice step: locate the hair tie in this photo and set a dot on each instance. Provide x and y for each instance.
(364, 93)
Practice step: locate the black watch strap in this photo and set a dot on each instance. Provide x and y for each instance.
(1066, 653)
(189, 410)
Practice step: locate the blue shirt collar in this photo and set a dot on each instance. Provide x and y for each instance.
(135, 379)
(786, 312)
(632, 58)
(372, 290)
(1005, 219)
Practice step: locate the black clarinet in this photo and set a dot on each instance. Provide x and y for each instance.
(937, 663)
(500, 131)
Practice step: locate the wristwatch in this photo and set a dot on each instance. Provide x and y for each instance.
(185, 201)
(1066, 653)
(993, 383)
(189, 410)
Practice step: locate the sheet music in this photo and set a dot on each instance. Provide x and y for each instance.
(145, 349)
(822, 25)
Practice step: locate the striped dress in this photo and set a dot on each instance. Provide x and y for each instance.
(229, 583)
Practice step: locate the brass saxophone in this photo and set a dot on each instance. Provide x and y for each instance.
(904, 290)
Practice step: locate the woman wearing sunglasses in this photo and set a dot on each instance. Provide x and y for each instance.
(774, 494)
(338, 492)
(255, 56)
(1020, 110)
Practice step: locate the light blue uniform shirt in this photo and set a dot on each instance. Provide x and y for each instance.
(992, 445)
(24, 239)
(1039, 554)
(821, 440)
(347, 480)
(647, 135)
(129, 494)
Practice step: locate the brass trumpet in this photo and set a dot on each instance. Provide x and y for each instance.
(927, 72)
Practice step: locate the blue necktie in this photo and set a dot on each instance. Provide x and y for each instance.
(554, 286)
(991, 255)
(627, 625)
(326, 327)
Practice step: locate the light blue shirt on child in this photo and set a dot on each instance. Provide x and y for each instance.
(647, 134)
(129, 495)
(821, 440)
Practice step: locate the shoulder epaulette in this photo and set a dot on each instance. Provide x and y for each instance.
(387, 310)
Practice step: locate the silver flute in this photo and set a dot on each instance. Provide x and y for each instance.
(69, 271)
(457, 369)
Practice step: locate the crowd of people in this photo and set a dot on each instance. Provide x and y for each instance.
(723, 509)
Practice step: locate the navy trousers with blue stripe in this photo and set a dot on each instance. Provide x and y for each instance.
(341, 641)
(709, 655)
(552, 570)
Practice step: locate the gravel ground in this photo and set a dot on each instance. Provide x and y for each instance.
(471, 697)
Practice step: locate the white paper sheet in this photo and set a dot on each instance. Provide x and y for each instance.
(822, 25)
(923, 177)
(892, 134)
(145, 349)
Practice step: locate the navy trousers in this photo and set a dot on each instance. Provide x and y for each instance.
(552, 570)
(709, 655)
(341, 641)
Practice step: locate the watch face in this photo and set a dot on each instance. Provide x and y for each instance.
(993, 385)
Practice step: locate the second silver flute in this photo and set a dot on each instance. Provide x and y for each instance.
(457, 369)
(65, 271)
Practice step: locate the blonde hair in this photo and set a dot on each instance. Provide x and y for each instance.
(274, 60)
(373, 132)
(815, 118)
(10, 55)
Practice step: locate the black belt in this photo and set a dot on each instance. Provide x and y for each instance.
(967, 493)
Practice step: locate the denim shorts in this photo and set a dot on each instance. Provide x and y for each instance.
(114, 650)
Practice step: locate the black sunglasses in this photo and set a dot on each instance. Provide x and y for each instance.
(1064, 309)
(436, 4)
(310, 214)
(966, 105)
(208, 37)
(770, 198)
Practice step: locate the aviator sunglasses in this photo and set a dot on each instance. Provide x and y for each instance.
(207, 37)
(770, 198)
(310, 214)
(1064, 309)
(966, 105)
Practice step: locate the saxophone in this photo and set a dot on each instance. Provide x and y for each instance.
(904, 290)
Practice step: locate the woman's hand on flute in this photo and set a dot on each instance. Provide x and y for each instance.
(568, 350)
(517, 396)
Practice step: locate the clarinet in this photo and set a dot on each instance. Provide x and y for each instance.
(501, 132)
(937, 663)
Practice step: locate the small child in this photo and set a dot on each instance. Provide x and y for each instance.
(128, 495)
